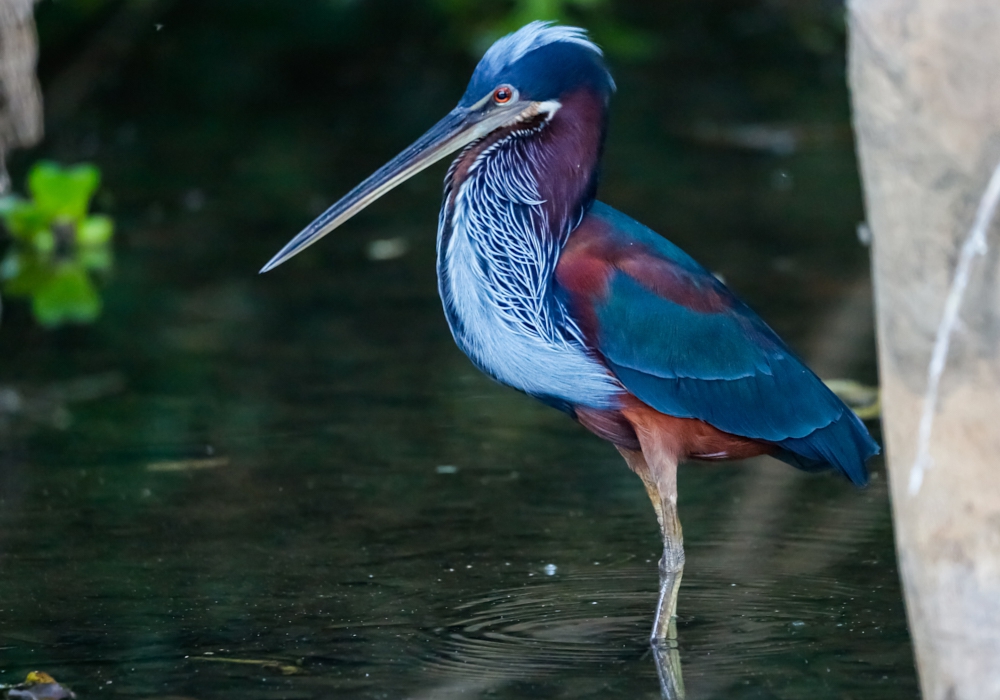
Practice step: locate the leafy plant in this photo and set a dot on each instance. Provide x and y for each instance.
(57, 246)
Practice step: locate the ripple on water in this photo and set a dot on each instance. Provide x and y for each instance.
(597, 617)
(602, 617)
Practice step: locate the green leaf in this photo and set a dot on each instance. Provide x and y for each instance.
(95, 230)
(59, 285)
(63, 193)
(23, 219)
(68, 296)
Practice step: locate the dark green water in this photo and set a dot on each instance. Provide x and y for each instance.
(366, 507)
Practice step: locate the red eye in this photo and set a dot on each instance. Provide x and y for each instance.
(503, 94)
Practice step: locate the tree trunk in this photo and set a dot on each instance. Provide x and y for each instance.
(20, 98)
(925, 80)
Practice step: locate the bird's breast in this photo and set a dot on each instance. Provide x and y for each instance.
(495, 279)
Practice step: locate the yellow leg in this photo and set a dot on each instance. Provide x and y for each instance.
(661, 486)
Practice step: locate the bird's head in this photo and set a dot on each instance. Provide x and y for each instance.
(539, 63)
(520, 79)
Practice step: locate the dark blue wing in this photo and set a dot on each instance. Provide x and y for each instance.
(682, 343)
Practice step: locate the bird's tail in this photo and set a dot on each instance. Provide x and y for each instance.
(844, 445)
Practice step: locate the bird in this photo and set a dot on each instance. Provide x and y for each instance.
(562, 297)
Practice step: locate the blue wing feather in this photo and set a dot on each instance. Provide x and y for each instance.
(724, 366)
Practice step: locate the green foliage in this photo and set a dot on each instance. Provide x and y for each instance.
(57, 247)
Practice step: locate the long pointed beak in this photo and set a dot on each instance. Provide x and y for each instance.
(458, 129)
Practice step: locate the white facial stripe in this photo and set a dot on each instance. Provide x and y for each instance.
(534, 109)
(549, 107)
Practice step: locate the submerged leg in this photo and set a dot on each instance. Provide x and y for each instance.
(660, 479)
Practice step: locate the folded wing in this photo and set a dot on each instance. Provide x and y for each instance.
(681, 342)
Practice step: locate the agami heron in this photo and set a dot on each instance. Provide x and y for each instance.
(562, 297)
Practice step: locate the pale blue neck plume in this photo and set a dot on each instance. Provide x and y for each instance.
(498, 246)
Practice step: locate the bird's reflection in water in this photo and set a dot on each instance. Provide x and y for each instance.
(667, 656)
(549, 628)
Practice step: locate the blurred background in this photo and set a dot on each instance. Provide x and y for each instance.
(294, 485)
